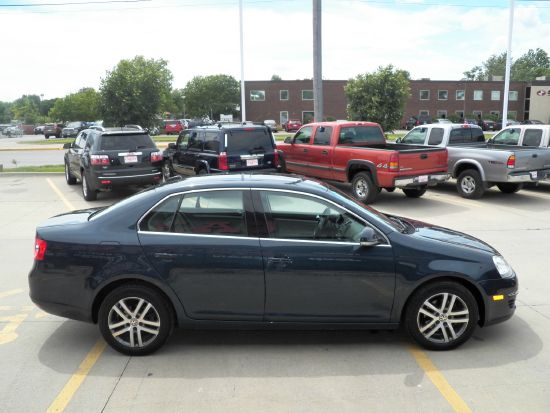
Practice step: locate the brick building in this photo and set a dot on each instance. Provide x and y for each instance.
(293, 99)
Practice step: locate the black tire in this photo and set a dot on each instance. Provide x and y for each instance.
(167, 171)
(508, 188)
(202, 171)
(414, 192)
(469, 184)
(69, 177)
(282, 164)
(158, 320)
(436, 332)
(390, 189)
(363, 189)
(88, 193)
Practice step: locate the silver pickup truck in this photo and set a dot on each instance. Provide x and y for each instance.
(523, 135)
(478, 165)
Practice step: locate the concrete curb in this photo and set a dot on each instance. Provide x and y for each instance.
(29, 149)
(12, 174)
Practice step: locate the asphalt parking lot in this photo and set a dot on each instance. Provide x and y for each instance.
(53, 364)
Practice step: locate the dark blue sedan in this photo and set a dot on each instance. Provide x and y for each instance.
(263, 251)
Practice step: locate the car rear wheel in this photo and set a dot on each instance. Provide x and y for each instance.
(414, 192)
(167, 171)
(71, 180)
(363, 188)
(135, 320)
(202, 171)
(88, 193)
(508, 188)
(470, 185)
(442, 315)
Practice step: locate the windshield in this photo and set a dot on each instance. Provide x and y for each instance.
(119, 142)
(246, 142)
(73, 125)
(416, 136)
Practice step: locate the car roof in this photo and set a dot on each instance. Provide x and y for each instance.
(220, 126)
(344, 123)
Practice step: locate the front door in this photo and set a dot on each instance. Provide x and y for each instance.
(201, 244)
(315, 269)
(297, 157)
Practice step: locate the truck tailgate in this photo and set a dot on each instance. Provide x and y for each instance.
(419, 161)
(532, 159)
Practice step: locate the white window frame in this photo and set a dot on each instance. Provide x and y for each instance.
(513, 114)
(439, 94)
(281, 121)
(441, 114)
(479, 94)
(463, 94)
(495, 95)
(513, 93)
(281, 94)
(307, 90)
(420, 94)
(308, 111)
(495, 113)
(257, 100)
(423, 112)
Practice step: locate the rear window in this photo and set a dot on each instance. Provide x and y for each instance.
(436, 136)
(249, 142)
(360, 135)
(462, 135)
(116, 142)
(532, 137)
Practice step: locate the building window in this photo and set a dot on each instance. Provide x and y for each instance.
(283, 94)
(424, 113)
(460, 95)
(478, 94)
(283, 116)
(477, 114)
(307, 117)
(424, 95)
(513, 95)
(513, 115)
(495, 94)
(459, 113)
(307, 94)
(495, 113)
(257, 95)
(442, 114)
(442, 94)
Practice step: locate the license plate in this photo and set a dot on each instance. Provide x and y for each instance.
(251, 162)
(534, 174)
(423, 178)
(130, 159)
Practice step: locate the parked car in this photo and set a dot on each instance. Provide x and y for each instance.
(103, 160)
(13, 131)
(39, 130)
(172, 126)
(53, 129)
(189, 254)
(442, 120)
(487, 124)
(225, 148)
(133, 127)
(72, 129)
(3, 127)
(272, 124)
(292, 125)
(411, 123)
(535, 135)
(357, 152)
(509, 122)
(532, 122)
(478, 165)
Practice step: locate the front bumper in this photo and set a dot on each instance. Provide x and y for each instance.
(420, 180)
(529, 176)
(497, 311)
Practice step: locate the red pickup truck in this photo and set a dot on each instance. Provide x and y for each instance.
(357, 152)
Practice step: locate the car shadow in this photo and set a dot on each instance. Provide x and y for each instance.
(284, 353)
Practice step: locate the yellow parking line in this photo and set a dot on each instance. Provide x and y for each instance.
(67, 203)
(67, 393)
(4, 294)
(439, 381)
(8, 334)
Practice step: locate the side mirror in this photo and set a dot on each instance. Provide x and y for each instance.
(399, 140)
(172, 146)
(67, 145)
(288, 139)
(369, 238)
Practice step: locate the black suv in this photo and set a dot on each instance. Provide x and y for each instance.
(104, 159)
(73, 128)
(52, 129)
(222, 148)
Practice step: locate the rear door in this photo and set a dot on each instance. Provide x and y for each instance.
(74, 154)
(320, 153)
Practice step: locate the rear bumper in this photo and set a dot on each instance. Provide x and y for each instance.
(149, 176)
(420, 180)
(529, 176)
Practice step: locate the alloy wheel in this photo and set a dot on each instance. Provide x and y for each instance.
(443, 318)
(468, 184)
(361, 188)
(134, 322)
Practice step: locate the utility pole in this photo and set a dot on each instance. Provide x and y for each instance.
(317, 63)
(508, 64)
(243, 92)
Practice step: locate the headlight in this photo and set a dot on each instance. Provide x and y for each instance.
(503, 268)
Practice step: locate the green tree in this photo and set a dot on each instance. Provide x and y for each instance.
(212, 95)
(26, 109)
(83, 105)
(135, 91)
(276, 78)
(5, 112)
(175, 104)
(379, 96)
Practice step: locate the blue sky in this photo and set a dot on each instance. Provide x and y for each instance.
(57, 49)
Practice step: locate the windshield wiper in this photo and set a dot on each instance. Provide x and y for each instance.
(399, 222)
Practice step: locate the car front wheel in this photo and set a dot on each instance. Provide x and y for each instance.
(442, 315)
(88, 193)
(135, 320)
(71, 180)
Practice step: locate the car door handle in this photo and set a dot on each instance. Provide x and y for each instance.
(279, 260)
(424, 156)
(305, 150)
(325, 152)
(164, 255)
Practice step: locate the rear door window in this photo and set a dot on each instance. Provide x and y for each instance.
(322, 135)
(532, 137)
(436, 136)
(212, 142)
(127, 142)
(249, 142)
(195, 141)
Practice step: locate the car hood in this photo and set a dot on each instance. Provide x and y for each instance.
(70, 218)
(449, 236)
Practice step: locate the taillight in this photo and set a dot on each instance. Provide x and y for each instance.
(222, 161)
(39, 249)
(511, 163)
(99, 159)
(156, 156)
(394, 162)
(276, 158)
